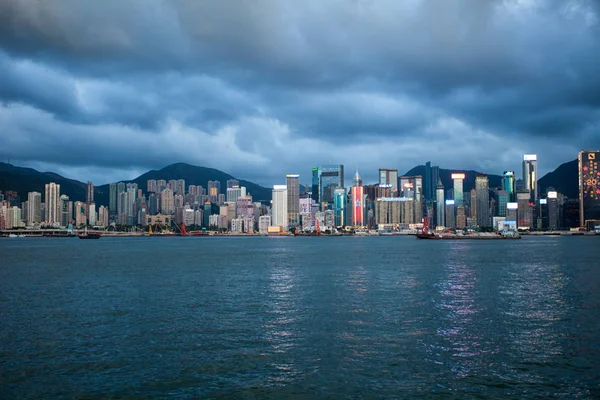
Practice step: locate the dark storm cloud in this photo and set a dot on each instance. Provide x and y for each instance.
(243, 86)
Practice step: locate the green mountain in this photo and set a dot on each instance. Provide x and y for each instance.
(193, 175)
(565, 179)
(24, 180)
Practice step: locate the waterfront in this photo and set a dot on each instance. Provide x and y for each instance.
(283, 317)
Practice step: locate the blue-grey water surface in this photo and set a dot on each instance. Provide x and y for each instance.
(339, 317)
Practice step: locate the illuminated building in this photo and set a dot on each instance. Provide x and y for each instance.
(482, 200)
(524, 219)
(589, 188)
(293, 199)
(458, 179)
(411, 187)
(432, 175)
(214, 189)
(339, 206)
(530, 176)
(440, 214)
(450, 219)
(356, 194)
(508, 185)
(553, 210)
(279, 212)
(316, 178)
(389, 177)
(52, 201)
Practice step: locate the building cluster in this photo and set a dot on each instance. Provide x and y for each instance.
(404, 202)
(394, 203)
(51, 210)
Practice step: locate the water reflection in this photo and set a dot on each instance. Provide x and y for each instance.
(534, 304)
(459, 343)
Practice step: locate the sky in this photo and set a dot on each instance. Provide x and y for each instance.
(106, 90)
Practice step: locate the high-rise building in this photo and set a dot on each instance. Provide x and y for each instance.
(161, 185)
(356, 194)
(316, 180)
(167, 202)
(589, 188)
(411, 188)
(473, 204)
(389, 177)
(482, 190)
(502, 201)
(530, 176)
(279, 206)
(91, 213)
(234, 193)
(14, 217)
(331, 177)
(66, 210)
(232, 183)
(440, 203)
(112, 200)
(151, 186)
(52, 201)
(34, 208)
(180, 187)
(90, 193)
(524, 217)
(553, 210)
(450, 219)
(461, 218)
(508, 185)
(120, 187)
(293, 199)
(214, 189)
(339, 206)
(458, 179)
(428, 184)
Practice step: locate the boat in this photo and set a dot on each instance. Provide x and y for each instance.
(89, 235)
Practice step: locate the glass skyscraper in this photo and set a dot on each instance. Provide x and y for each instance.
(331, 177)
(589, 188)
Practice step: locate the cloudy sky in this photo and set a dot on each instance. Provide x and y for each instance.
(105, 90)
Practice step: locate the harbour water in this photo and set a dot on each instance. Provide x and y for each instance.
(339, 317)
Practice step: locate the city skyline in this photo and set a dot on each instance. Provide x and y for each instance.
(335, 83)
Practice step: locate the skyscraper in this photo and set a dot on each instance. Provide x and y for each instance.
(331, 177)
(167, 202)
(339, 206)
(316, 184)
(52, 200)
(356, 193)
(482, 190)
(553, 209)
(90, 193)
(112, 200)
(214, 189)
(279, 206)
(440, 203)
(389, 177)
(232, 183)
(411, 188)
(458, 179)
(589, 188)
(450, 219)
(508, 184)
(293, 199)
(34, 208)
(530, 176)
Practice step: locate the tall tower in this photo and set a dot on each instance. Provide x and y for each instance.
(508, 185)
(428, 184)
(530, 176)
(90, 193)
(483, 200)
(34, 209)
(52, 200)
(357, 192)
(331, 177)
(279, 209)
(440, 203)
(293, 199)
(458, 179)
(589, 188)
